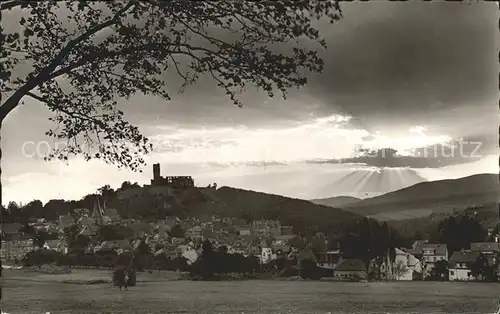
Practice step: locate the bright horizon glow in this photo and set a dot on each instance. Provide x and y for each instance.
(328, 137)
(222, 155)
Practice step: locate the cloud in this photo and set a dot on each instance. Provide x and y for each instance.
(317, 138)
(392, 59)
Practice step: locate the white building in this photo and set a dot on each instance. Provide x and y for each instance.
(266, 253)
(190, 254)
(405, 264)
(402, 267)
(460, 263)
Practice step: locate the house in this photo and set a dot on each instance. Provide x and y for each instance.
(418, 243)
(172, 221)
(89, 230)
(56, 245)
(333, 258)
(141, 228)
(244, 231)
(434, 252)
(406, 264)
(237, 222)
(112, 213)
(284, 237)
(429, 254)
(402, 267)
(280, 247)
(460, 265)
(15, 247)
(183, 248)
(266, 253)
(123, 246)
(10, 229)
(170, 250)
(263, 227)
(65, 221)
(85, 220)
(490, 250)
(350, 269)
(194, 232)
(286, 230)
(190, 254)
(209, 234)
(275, 230)
(118, 246)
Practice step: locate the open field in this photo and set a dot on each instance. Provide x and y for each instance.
(22, 295)
(82, 275)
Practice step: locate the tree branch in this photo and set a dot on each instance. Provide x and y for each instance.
(146, 47)
(12, 4)
(65, 111)
(44, 75)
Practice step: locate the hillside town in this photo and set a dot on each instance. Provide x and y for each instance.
(102, 232)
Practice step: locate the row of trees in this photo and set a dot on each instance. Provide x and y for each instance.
(368, 239)
(480, 269)
(107, 259)
(458, 231)
(212, 263)
(24, 213)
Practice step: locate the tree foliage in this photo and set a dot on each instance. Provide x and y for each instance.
(83, 55)
(457, 232)
(114, 232)
(368, 239)
(40, 238)
(177, 232)
(439, 272)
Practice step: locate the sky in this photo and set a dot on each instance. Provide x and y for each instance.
(418, 77)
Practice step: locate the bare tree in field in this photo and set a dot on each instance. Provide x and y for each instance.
(83, 55)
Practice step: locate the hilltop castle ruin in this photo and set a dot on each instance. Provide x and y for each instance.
(176, 182)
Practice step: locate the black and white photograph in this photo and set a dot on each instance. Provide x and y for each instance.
(234, 156)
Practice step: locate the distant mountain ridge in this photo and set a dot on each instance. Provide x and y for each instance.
(337, 201)
(426, 198)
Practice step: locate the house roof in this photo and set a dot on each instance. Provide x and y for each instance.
(284, 237)
(140, 227)
(117, 244)
(283, 247)
(12, 228)
(111, 213)
(238, 222)
(89, 230)
(439, 249)
(86, 220)
(164, 229)
(485, 247)
(351, 264)
(264, 243)
(209, 234)
(52, 243)
(124, 244)
(419, 243)
(464, 257)
(66, 221)
(404, 252)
